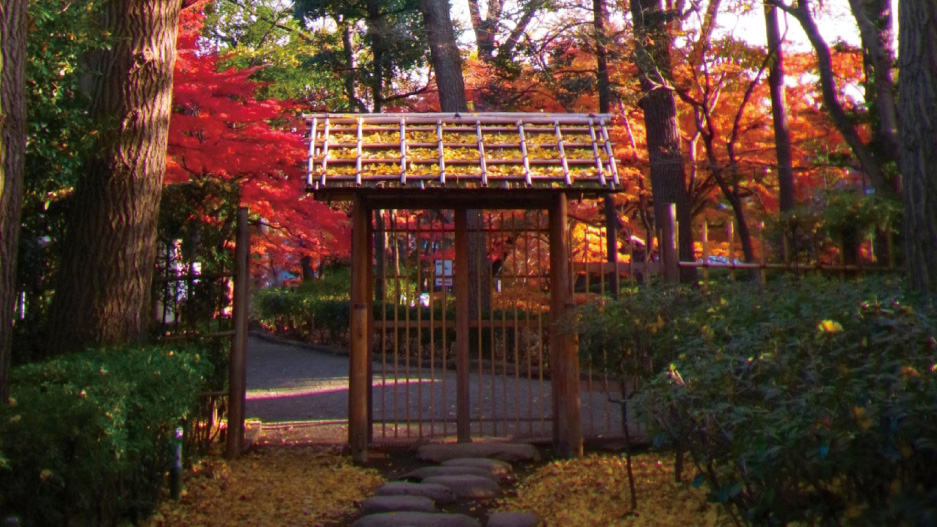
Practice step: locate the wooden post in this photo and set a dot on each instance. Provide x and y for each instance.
(358, 380)
(463, 423)
(370, 332)
(705, 243)
(730, 237)
(611, 245)
(668, 245)
(564, 357)
(764, 252)
(237, 380)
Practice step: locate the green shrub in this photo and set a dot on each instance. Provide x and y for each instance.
(316, 310)
(87, 436)
(808, 401)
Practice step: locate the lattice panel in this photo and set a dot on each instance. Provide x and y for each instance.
(476, 150)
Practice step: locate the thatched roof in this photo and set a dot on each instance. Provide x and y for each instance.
(464, 151)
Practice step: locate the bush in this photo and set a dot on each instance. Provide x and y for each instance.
(87, 437)
(809, 401)
(316, 310)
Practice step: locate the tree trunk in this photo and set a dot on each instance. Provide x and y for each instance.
(485, 28)
(668, 185)
(351, 65)
(605, 105)
(871, 165)
(109, 250)
(12, 159)
(377, 31)
(447, 63)
(917, 97)
(782, 133)
(873, 18)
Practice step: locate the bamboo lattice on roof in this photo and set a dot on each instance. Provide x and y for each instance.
(468, 150)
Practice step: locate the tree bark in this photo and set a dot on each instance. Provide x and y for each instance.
(485, 28)
(377, 31)
(12, 159)
(604, 88)
(103, 285)
(447, 62)
(875, 29)
(668, 185)
(351, 65)
(782, 133)
(917, 98)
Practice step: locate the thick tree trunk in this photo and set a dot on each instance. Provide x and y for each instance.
(917, 97)
(668, 185)
(109, 250)
(447, 63)
(782, 133)
(12, 158)
(875, 29)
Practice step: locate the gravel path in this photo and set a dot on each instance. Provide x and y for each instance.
(289, 383)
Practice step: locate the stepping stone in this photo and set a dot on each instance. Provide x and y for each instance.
(513, 519)
(416, 519)
(376, 504)
(510, 452)
(468, 486)
(493, 466)
(427, 472)
(441, 494)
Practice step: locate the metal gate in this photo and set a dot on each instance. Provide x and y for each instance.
(414, 370)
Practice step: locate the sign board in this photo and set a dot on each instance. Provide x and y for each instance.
(443, 273)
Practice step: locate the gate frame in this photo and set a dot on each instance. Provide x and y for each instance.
(564, 348)
(525, 186)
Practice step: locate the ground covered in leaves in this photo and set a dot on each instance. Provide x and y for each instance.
(271, 486)
(593, 491)
(319, 486)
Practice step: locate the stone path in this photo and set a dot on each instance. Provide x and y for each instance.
(456, 473)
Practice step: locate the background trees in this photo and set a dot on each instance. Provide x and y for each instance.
(252, 66)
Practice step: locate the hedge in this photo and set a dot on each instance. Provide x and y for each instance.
(87, 437)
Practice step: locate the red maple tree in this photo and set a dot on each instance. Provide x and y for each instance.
(220, 130)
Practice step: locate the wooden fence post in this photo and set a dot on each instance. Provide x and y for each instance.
(358, 379)
(237, 374)
(704, 231)
(564, 356)
(463, 419)
(668, 245)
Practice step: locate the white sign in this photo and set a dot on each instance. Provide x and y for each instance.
(443, 273)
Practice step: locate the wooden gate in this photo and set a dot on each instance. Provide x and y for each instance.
(415, 379)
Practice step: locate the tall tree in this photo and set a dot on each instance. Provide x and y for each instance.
(917, 96)
(447, 62)
(782, 133)
(874, 19)
(103, 286)
(653, 43)
(604, 87)
(12, 158)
